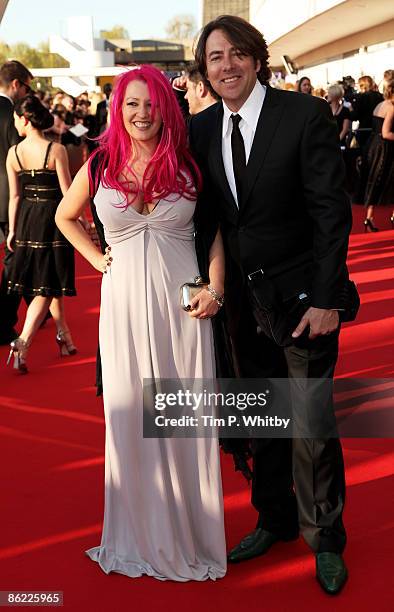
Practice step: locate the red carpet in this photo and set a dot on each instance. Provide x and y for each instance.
(52, 437)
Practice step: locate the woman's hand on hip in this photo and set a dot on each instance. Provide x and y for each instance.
(102, 262)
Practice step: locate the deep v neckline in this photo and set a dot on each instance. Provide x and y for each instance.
(136, 211)
(141, 214)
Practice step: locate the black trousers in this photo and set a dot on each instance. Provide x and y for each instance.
(299, 483)
(9, 303)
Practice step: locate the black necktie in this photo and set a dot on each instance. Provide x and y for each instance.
(239, 157)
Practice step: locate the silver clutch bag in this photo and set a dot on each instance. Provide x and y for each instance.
(188, 291)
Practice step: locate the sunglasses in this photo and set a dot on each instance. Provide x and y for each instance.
(26, 86)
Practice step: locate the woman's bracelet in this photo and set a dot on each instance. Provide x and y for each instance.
(219, 299)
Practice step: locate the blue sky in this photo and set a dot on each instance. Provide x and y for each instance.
(33, 22)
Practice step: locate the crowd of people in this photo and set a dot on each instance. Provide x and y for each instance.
(367, 145)
(87, 108)
(252, 179)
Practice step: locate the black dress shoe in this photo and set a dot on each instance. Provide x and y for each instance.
(253, 545)
(331, 572)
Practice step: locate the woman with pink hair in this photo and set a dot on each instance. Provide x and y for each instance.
(163, 498)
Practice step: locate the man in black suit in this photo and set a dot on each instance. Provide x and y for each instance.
(102, 110)
(15, 81)
(271, 163)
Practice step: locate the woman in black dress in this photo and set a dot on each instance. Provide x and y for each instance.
(341, 114)
(380, 159)
(363, 108)
(43, 264)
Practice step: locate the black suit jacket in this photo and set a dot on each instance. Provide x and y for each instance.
(8, 137)
(363, 107)
(294, 205)
(101, 116)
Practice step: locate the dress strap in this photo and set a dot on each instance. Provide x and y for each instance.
(47, 156)
(17, 157)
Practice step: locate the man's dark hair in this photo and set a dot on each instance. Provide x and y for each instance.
(107, 89)
(195, 76)
(245, 37)
(14, 70)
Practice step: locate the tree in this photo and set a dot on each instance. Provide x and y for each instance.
(28, 56)
(32, 58)
(51, 60)
(5, 52)
(117, 31)
(181, 27)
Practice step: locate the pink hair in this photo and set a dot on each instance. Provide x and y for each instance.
(171, 168)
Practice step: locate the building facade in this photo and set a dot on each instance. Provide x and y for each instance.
(328, 39)
(214, 8)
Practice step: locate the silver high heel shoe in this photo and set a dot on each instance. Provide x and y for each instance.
(18, 349)
(65, 348)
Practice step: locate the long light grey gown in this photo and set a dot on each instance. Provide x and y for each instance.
(163, 497)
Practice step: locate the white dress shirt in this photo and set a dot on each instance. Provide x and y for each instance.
(249, 114)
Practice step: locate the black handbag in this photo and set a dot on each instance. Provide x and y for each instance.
(280, 300)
